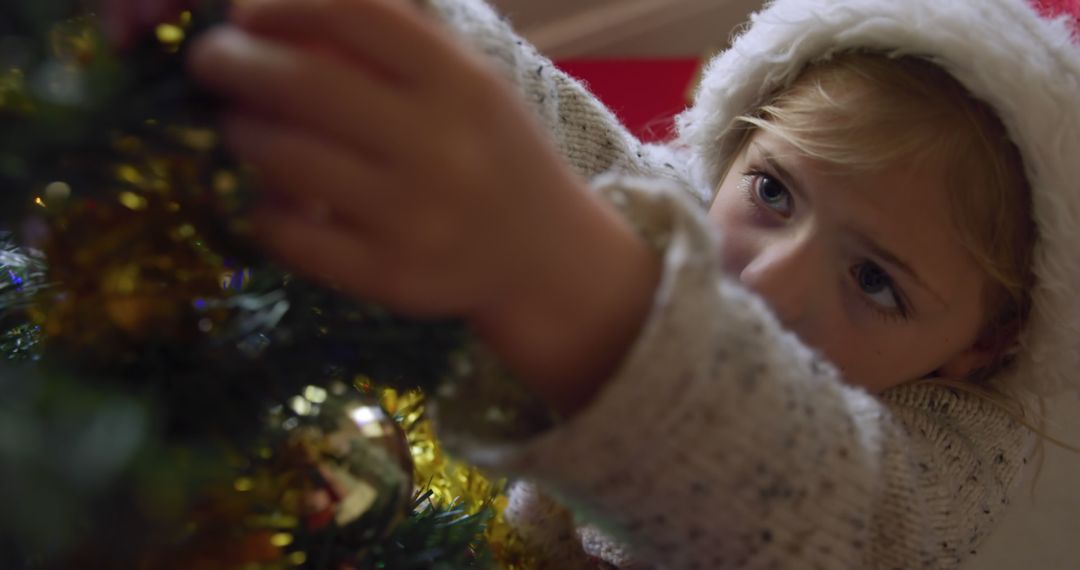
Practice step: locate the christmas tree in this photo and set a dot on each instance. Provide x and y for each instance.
(171, 398)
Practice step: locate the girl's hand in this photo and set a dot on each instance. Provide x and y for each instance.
(126, 19)
(403, 170)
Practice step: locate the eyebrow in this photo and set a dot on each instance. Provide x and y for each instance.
(774, 165)
(892, 259)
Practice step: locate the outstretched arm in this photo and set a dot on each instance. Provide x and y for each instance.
(722, 442)
(445, 195)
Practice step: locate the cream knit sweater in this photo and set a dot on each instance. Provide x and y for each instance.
(722, 442)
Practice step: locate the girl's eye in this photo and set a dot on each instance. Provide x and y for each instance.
(772, 193)
(878, 286)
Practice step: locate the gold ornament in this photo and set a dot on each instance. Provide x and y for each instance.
(452, 482)
(333, 478)
(359, 469)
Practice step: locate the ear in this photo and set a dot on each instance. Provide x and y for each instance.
(960, 365)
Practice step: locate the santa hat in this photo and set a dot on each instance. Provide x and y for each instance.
(1021, 57)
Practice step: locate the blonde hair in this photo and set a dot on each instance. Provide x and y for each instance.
(869, 111)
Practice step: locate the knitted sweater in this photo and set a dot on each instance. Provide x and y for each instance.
(722, 441)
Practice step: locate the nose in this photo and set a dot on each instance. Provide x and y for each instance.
(784, 272)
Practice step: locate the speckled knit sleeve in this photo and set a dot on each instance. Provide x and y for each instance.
(586, 132)
(722, 442)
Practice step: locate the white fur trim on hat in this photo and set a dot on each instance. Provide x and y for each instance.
(1006, 53)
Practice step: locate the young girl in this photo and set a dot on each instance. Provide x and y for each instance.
(820, 373)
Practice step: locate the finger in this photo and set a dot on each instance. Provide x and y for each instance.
(392, 35)
(310, 90)
(118, 18)
(322, 251)
(310, 170)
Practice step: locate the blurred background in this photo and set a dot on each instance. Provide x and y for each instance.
(641, 57)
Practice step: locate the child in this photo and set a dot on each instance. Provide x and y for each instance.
(826, 383)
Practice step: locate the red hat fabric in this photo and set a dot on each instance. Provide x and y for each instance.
(1056, 8)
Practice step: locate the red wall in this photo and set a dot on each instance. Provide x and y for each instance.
(645, 93)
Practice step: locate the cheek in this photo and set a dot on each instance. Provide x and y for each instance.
(873, 359)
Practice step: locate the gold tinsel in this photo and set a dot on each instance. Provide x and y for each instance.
(454, 483)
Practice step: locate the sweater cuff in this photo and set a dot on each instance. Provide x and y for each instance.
(672, 222)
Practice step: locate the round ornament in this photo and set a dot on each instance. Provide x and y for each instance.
(331, 479)
(359, 478)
